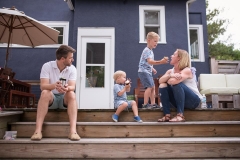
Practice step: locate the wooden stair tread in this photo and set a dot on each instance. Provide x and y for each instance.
(134, 123)
(113, 110)
(129, 140)
(8, 113)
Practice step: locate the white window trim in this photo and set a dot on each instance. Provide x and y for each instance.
(199, 29)
(63, 24)
(161, 9)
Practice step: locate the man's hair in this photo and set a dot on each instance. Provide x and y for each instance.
(118, 74)
(184, 59)
(152, 35)
(63, 51)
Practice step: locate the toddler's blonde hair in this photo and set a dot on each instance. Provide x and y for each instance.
(152, 35)
(118, 74)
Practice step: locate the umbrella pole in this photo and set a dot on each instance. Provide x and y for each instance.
(7, 55)
(9, 37)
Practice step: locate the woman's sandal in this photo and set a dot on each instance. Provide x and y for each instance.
(164, 119)
(178, 118)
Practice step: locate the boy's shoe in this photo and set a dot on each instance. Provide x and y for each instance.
(146, 106)
(155, 106)
(137, 119)
(115, 118)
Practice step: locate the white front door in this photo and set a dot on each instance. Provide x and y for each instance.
(95, 73)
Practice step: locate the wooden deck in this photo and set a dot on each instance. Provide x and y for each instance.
(206, 134)
(123, 148)
(133, 129)
(147, 115)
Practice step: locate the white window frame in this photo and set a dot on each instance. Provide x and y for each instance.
(161, 10)
(199, 29)
(63, 24)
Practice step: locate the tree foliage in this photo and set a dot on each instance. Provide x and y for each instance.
(217, 27)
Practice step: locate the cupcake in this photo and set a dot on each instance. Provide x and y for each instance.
(127, 82)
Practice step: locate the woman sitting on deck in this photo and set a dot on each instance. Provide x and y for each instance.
(178, 87)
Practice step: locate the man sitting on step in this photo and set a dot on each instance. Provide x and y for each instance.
(57, 82)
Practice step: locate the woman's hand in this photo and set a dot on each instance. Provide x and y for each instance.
(178, 76)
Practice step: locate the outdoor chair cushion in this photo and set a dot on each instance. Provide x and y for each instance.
(220, 90)
(208, 81)
(233, 80)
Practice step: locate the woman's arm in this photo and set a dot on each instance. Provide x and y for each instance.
(185, 74)
(165, 77)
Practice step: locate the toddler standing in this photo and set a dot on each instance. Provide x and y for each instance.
(146, 69)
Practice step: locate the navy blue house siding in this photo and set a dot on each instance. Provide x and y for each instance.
(197, 15)
(27, 62)
(125, 18)
(123, 15)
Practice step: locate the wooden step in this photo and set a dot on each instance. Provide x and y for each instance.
(147, 115)
(7, 116)
(133, 129)
(125, 148)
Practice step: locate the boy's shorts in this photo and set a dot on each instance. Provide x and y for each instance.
(58, 102)
(118, 103)
(146, 79)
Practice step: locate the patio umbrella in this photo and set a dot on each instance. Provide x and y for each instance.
(17, 28)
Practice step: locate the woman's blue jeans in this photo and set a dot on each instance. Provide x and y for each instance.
(179, 96)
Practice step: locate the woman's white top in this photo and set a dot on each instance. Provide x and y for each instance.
(191, 84)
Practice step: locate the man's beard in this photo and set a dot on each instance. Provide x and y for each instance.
(68, 64)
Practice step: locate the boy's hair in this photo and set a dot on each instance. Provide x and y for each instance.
(152, 35)
(118, 74)
(63, 51)
(184, 59)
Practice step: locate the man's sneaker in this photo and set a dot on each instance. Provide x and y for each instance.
(137, 119)
(115, 118)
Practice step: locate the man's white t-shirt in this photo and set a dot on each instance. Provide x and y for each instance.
(51, 72)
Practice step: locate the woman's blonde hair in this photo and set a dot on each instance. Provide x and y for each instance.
(118, 74)
(152, 35)
(184, 59)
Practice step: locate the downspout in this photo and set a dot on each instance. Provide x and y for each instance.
(188, 34)
(70, 4)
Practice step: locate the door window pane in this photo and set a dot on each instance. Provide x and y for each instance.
(94, 76)
(151, 17)
(194, 44)
(95, 53)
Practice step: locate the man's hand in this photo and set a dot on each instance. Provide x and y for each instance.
(60, 88)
